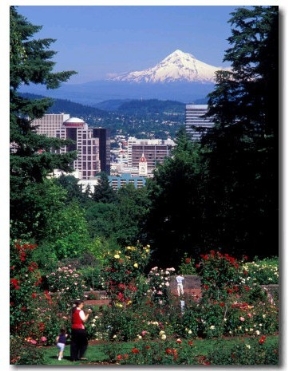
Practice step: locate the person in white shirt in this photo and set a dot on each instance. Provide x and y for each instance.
(179, 280)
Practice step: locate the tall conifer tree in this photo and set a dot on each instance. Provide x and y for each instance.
(32, 156)
(243, 151)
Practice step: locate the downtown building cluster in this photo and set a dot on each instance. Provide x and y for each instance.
(134, 160)
(92, 144)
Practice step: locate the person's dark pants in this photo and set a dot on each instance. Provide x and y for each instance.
(79, 343)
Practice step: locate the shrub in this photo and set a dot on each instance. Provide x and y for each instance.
(174, 352)
(262, 272)
(219, 274)
(23, 352)
(159, 282)
(68, 285)
(247, 352)
(25, 279)
(122, 271)
(211, 319)
(93, 325)
(140, 321)
(93, 278)
(231, 302)
(187, 266)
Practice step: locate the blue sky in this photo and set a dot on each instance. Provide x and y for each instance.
(98, 40)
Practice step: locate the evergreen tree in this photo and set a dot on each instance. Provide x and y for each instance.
(32, 156)
(242, 149)
(103, 192)
(173, 223)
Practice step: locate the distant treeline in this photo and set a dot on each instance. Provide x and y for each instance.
(141, 118)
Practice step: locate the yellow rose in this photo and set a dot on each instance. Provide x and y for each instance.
(135, 265)
(117, 256)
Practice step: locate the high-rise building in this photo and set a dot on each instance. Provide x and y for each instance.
(195, 118)
(87, 147)
(49, 123)
(104, 148)
(154, 153)
(92, 145)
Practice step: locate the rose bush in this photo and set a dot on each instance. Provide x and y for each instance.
(231, 303)
(159, 282)
(262, 272)
(122, 274)
(67, 285)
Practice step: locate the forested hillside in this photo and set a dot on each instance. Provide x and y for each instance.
(142, 119)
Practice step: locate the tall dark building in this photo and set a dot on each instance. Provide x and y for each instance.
(104, 148)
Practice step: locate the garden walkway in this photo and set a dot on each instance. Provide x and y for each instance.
(191, 289)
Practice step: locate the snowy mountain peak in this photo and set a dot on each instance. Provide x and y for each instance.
(177, 66)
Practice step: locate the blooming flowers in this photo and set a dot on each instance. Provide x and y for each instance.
(262, 339)
(159, 281)
(162, 335)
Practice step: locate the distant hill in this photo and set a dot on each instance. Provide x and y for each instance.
(67, 106)
(111, 105)
(140, 118)
(98, 91)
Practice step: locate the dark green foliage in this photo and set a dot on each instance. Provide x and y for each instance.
(23, 353)
(152, 107)
(242, 149)
(248, 353)
(172, 223)
(74, 190)
(101, 219)
(122, 218)
(33, 209)
(32, 156)
(103, 192)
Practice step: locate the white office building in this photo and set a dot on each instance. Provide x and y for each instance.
(194, 118)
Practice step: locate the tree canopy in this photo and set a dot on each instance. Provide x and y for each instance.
(32, 156)
(243, 151)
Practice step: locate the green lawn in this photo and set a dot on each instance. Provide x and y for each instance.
(95, 353)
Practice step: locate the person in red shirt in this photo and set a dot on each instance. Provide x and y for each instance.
(79, 340)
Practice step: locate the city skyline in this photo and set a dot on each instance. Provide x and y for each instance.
(99, 41)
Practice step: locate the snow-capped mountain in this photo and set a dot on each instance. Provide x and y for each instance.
(176, 67)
